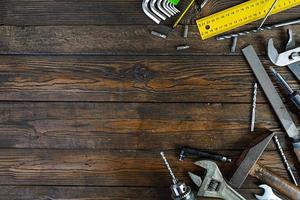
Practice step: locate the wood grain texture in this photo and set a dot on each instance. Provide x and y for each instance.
(130, 126)
(95, 193)
(88, 99)
(121, 40)
(104, 12)
(106, 168)
(133, 79)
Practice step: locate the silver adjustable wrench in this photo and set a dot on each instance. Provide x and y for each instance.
(213, 184)
(290, 58)
(268, 194)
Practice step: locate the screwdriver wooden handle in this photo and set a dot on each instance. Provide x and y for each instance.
(279, 184)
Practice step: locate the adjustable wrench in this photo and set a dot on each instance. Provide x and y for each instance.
(213, 185)
(268, 194)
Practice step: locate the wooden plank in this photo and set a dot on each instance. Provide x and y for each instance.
(95, 193)
(104, 12)
(130, 125)
(133, 79)
(101, 168)
(120, 40)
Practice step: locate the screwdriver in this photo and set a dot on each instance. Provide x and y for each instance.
(187, 151)
(294, 96)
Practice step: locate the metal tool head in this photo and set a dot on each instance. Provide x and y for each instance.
(291, 41)
(286, 58)
(272, 52)
(268, 193)
(212, 171)
(213, 181)
(248, 159)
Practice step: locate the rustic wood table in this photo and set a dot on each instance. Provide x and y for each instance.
(89, 98)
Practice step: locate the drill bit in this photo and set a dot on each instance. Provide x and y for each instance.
(174, 179)
(268, 14)
(180, 191)
(286, 163)
(253, 107)
(244, 33)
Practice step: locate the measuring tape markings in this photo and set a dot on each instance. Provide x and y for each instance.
(240, 15)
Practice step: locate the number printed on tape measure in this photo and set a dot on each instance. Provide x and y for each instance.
(240, 15)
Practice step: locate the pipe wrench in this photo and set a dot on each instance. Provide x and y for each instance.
(290, 58)
(213, 184)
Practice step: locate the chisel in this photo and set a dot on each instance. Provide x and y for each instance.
(273, 97)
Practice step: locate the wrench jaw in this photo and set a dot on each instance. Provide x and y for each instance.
(291, 43)
(272, 52)
(213, 184)
(268, 193)
(209, 187)
(196, 179)
(286, 58)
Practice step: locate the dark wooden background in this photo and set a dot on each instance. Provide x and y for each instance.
(89, 98)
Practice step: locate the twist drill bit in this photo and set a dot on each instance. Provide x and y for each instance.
(285, 161)
(244, 33)
(180, 191)
(253, 107)
(174, 179)
(268, 14)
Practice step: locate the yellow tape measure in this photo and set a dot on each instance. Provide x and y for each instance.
(240, 15)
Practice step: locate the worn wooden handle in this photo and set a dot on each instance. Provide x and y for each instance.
(280, 184)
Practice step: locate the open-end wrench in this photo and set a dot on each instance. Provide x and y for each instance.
(268, 194)
(213, 185)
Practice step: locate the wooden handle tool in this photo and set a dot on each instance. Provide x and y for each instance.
(281, 185)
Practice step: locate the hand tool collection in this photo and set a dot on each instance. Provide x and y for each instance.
(212, 184)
